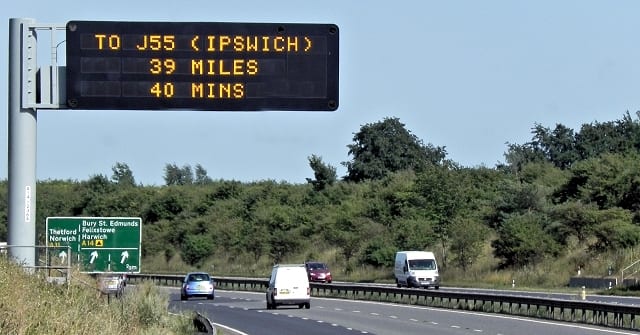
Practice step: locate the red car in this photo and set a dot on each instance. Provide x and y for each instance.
(318, 272)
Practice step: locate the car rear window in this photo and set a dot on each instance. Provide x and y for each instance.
(198, 277)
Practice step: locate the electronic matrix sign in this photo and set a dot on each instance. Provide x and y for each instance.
(202, 66)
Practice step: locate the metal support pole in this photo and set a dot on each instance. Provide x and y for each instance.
(22, 144)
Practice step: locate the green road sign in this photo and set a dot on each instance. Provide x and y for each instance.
(100, 244)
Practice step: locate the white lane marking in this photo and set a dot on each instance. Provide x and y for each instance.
(235, 331)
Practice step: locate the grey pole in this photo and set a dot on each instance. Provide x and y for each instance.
(22, 145)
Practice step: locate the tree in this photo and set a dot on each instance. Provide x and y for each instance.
(615, 230)
(516, 198)
(325, 175)
(558, 145)
(251, 239)
(196, 248)
(522, 240)
(201, 175)
(99, 184)
(619, 136)
(414, 234)
(348, 229)
(122, 175)
(574, 218)
(544, 174)
(93, 196)
(166, 204)
(440, 189)
(387, 146)
(345, 233)
(467, 238)
(519, 155)
(610, 180)
(379, 253)
(174, 175)
(563, 148)
(279, 223)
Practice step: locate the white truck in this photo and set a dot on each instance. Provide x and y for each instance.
(416, 269)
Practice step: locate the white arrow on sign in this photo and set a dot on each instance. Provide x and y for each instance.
(62, 255)
(125, 255)
(94, 255)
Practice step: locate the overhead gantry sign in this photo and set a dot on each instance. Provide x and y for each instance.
(202, 66)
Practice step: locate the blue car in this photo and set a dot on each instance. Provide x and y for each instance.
(197, 284)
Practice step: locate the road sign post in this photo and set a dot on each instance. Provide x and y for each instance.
(100, 244)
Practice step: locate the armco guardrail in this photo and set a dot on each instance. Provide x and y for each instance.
(203, 324)
(601, 314)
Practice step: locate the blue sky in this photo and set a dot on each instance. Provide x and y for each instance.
(467, 75)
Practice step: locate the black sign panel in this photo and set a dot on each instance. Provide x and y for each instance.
(202, 66)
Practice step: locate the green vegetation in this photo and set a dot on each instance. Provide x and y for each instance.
(564, 201)
(30, 305)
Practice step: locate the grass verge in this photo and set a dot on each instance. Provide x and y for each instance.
(31, 305)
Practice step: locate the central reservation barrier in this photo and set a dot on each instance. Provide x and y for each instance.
(578, 311)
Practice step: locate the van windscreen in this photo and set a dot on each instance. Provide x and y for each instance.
(422, 264)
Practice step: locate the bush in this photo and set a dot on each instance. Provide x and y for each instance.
(522, 240)
(196, 248)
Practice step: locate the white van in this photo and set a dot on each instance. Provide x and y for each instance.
(289, 285)
(416, 269)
